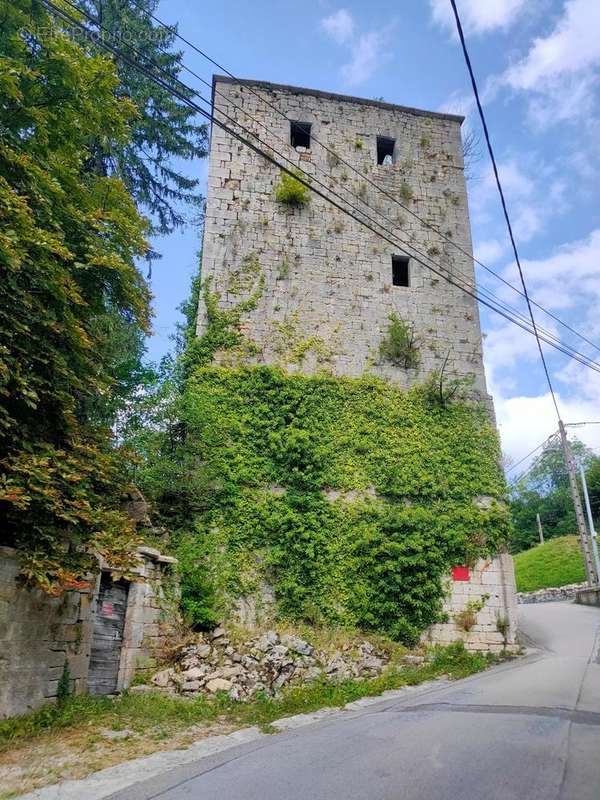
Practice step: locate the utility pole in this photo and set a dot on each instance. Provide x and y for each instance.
(540, 529)
(588, 508)
(590, 569)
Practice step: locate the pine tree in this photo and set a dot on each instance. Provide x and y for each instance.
(165, 131)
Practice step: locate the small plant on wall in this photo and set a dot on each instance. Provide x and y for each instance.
(399, 347)
(291, 192)
(467, 618)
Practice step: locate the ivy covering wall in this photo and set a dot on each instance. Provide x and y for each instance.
(349, 497)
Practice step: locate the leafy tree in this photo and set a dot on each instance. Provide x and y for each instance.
(165, 130)
(545, 490)
(68, 248)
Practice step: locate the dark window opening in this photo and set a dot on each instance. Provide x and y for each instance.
(300, 134)
(400, 276)
(385, 150)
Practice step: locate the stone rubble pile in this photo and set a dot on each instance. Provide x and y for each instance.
(266, 663)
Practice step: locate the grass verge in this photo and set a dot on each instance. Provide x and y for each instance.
(557, 562)
(65, 741)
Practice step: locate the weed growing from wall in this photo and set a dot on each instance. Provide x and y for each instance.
(398, 346)
(291, 192)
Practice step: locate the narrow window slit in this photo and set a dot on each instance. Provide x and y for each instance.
(300, 134)
(385, 150)
(400, 272)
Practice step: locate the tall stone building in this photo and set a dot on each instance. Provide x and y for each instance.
(327, 284)
(308, 287)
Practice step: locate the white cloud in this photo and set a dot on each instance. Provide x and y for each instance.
(368, 54)
(561, 70)
(489, 251)
(531, 202)
(524, 422)
(339, 25)
(368, 49)
(478, 16)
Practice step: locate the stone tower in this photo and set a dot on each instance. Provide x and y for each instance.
(324, 285)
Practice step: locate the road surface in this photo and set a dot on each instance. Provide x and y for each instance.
(524, 730)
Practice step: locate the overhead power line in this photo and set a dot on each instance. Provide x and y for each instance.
(306, 180)
(535, 449)
(502, 200)
(548, 335)
(362, 175)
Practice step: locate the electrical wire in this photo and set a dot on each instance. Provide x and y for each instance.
(292, 172)
(364, 177)
(502, 199)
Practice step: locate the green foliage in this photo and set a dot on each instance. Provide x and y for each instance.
(164, 132)
(467, 617)
(544, 490)
(398, 346)
(63, 690)
(199, 602)
(406, 472)
(554, 563)
(291, 192)
(68, 283)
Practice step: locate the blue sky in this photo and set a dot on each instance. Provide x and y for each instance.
(538, 66)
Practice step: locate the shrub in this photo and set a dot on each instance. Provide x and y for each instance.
(398, 346)
(291, 192)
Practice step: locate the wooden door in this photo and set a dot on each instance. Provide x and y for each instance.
(108, 636)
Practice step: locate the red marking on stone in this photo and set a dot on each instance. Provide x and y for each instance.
(460, 574)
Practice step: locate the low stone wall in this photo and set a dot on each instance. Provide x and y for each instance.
(588, 596)
(551, 594)
(480, 606)
(39, 633)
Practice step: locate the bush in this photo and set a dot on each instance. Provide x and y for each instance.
(272, 446)
(398, 346)
(291, 192)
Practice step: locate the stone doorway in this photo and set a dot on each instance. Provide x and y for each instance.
(107, 639)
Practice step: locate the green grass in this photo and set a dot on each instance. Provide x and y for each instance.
(555, 563)
(140, 711)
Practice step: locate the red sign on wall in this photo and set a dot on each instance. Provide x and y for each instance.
(460, 574)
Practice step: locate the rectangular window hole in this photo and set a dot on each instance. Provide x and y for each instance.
(300, 134)
(400, 274)
(385, 150)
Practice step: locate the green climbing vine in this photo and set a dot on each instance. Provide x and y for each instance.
(262, 451)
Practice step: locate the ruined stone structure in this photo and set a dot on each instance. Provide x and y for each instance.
(317, 289)
(329, 285)
(39, 633)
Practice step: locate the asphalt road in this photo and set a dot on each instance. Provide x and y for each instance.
(524, 730)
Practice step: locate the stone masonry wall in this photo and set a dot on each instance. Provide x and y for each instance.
(38, 632)
(491, 585)
(328, 289)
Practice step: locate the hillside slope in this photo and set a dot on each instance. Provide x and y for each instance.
(555, 563)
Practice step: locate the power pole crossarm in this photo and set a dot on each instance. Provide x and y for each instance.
(590, 568)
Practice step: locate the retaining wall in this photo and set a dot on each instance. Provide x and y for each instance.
(488, 590)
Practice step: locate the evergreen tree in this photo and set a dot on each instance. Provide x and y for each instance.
(165, 131)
